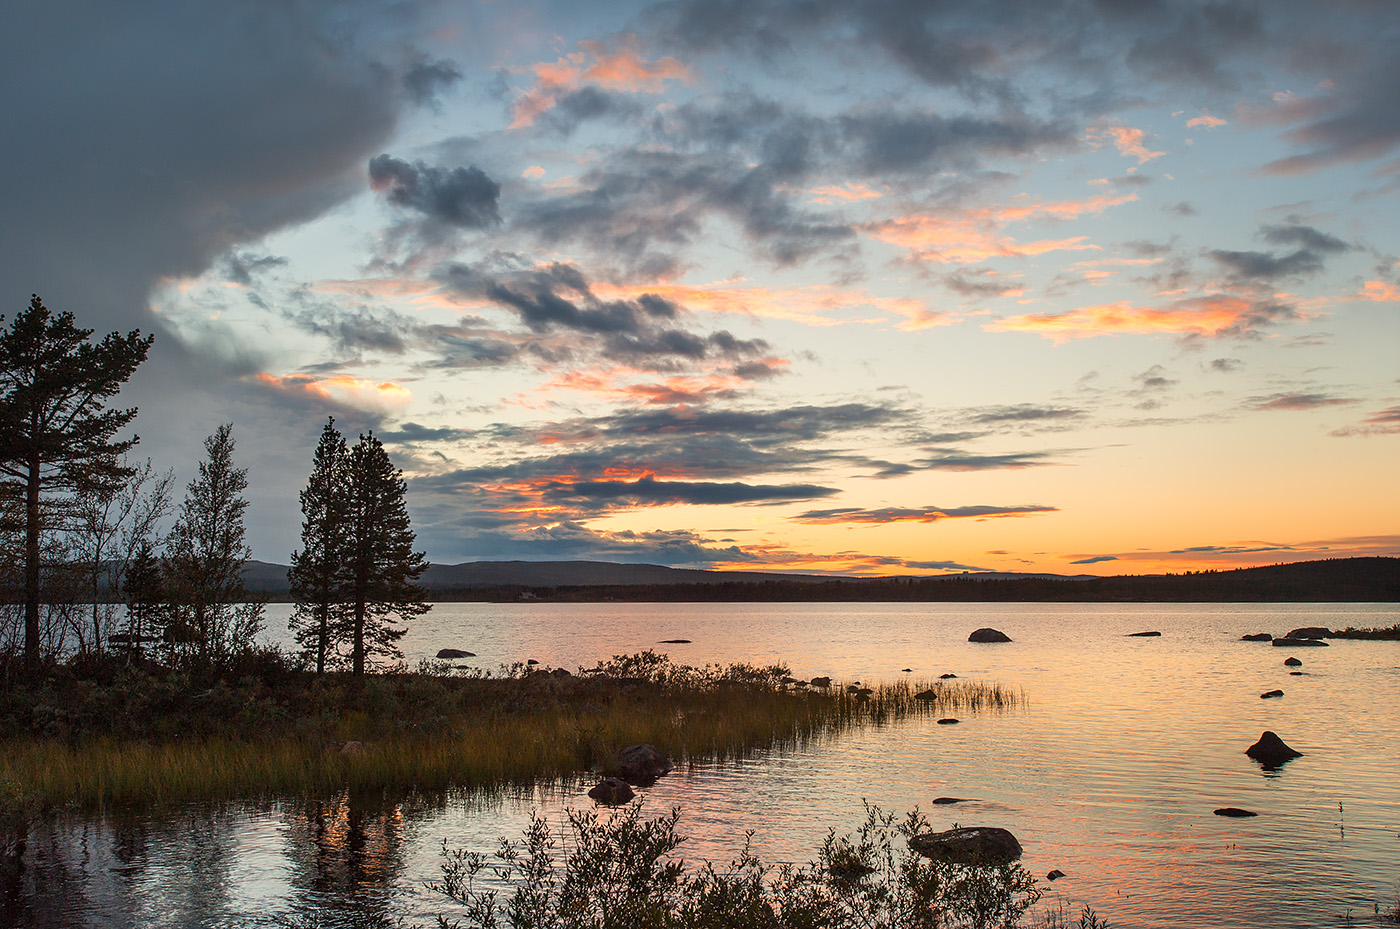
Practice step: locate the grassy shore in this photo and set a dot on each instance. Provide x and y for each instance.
(97, 734)
(1382, 633)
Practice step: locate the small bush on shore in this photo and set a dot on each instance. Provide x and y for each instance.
(619, 871)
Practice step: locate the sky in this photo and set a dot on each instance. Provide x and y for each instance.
(892, 287)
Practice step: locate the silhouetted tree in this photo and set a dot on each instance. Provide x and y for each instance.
(380, 567)
(144, 587)
(55, 430)
(316, 575)
(206, 554)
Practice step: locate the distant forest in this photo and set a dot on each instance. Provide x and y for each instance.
(1343, 580)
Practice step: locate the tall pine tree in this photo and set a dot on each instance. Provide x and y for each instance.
(381, 568)
(316, 572)
(206, 554)
(55, 429)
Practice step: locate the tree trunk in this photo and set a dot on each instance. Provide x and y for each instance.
(31, 565)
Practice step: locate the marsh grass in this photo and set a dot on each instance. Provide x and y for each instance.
(142, 738)
(1380, 633)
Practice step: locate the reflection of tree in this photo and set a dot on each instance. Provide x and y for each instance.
(346, 855)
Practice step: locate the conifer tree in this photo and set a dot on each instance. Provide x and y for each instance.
(55, 429)
(316, 572)
(206, 556)
(381, 568)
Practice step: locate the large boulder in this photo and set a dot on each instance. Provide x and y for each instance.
(1309, 632)
(988, 635)
(1271, 751)
(611, 791)
(447, 653)
(1287, 642)
(1257, 637)
(642, 764)
(968, 845)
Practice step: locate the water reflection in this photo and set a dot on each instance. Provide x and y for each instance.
(345, 857)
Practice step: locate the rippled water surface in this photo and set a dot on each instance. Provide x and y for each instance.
(1110, 772)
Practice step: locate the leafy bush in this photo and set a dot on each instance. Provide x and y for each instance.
(618, 871)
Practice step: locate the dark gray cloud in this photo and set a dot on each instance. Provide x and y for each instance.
(1097, 559)
(956, 460)
(1304, 236)
(648, 491)
(1265, 266)
(1299, 401)
(424, 80)
(463, 197)
(1024, 413)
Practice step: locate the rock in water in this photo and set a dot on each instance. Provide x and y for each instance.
(1309, 632)
(1271, 751)
(1055, 875)
(1292, 662)
(949, 721)
(1299, 643)
(988, 635)
(926, 695)
(642, 764)
(1234, 811)
(946, 677)
(1257, 637)
(1270, 693)
(944, 801)
(612, 791)
(969, 845)
(455, 653)
(675, 642)
(1139, 635)
(821, 682)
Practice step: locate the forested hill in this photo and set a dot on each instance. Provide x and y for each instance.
(1333, 580)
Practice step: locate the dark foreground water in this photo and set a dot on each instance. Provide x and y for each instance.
(1110, 772)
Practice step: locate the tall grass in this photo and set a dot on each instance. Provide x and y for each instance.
(425, 731)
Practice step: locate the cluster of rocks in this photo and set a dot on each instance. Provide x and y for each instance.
(637, 766)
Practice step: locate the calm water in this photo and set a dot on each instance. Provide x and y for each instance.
(1110, 773)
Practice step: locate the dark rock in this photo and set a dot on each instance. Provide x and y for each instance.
(1257, 637)
(561, 672)
(926, 695)
(532, 661)
(642, 764)
(1296, 673)
(1299, 643)
(675, 641)
(852, 689)
(1234, 811)
(1140, 635)
(988, 635)
(968, 845)
(948, 721)
(821, 682)
(864, 691)
(944, 801)
(1309, 632)
(906, 669)
(1293, 662)
(455, 653)
(946, 677)
(1271, 751)
(1270, 693)
(1055, 875)
(612, 791)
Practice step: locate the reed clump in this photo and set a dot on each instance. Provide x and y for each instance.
(1380, 633)
(92, 737)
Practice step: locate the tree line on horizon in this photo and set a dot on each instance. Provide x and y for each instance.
(87, 569)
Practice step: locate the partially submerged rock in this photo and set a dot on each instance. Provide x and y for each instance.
(988, 635)
(1257, 637)
(926, 695)
(642, 764)
(1293, 662)
(1270, 694)
(973, 846)
(612, 791)
(944, 801)
(948, 721)
(1287, 642)
(1143, 635)
(1055, 875)
(454, 653)
(1271, 751)
(1309, 632)
(675, 641)
(946, 677)
(1234, 811)
(821, 682)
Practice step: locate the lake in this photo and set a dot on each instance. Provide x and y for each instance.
(1110, 771)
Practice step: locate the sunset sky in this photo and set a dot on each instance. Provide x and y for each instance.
(888, 287)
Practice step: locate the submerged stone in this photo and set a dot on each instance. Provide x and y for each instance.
(1234, 811)
(988, 635)
(1271, 751)
(973, 846)
(611, 791)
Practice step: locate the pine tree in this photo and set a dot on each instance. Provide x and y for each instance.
(380, 567)
(55, 430)
(316, 572)
(211, 607)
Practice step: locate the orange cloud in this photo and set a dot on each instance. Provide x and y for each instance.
(924, 514)
(1130, 142)
(622, 70)
(848, 192)
(1205, 316)
(963, 240)
(1380, 291)
(812, 305)
(343, 388)
(1205, 121)
(668, 391)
